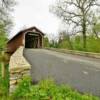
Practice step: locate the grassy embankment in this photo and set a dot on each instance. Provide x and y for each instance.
(47, 90)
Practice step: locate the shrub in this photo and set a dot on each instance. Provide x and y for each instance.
(22, 89)
(47, 90)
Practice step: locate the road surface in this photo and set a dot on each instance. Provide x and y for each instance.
(81, 73)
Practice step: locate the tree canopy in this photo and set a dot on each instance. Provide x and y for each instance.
(6, 6)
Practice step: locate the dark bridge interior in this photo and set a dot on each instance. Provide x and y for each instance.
(32, 40)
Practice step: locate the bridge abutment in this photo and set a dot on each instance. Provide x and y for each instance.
(18, 68)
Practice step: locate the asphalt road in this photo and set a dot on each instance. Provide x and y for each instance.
(81, 73)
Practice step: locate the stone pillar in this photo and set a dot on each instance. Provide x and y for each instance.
(16, 75)
(18, 68)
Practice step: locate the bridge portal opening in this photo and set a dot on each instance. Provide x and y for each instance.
(32, 40)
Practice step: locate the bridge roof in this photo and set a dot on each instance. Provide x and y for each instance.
(25, 30)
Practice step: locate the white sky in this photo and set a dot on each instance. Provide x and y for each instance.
(35, 13)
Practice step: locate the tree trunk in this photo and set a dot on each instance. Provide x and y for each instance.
(96, 34)
(84, 39)
(84, 33)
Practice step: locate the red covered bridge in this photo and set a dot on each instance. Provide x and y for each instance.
(29, 38)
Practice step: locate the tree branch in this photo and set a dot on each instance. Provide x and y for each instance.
(72, 3)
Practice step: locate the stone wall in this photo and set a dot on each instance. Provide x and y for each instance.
(18, 68)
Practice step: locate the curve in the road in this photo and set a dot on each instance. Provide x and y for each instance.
(79, 72)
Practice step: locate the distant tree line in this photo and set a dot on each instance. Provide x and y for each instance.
(74, 42)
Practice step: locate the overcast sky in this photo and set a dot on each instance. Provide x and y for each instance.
(35, 13)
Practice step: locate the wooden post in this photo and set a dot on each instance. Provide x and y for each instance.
(3, 69)
(38, 42)
(3, 65)
(42, 40)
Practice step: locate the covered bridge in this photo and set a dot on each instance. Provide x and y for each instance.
(29, 38)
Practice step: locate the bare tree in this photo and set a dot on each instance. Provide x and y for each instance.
(8, 3)
(78, 13)
(6, 6)
(64, 36)
(96, 26)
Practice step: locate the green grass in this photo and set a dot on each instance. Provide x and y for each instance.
(44, 90)
(47, 90)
